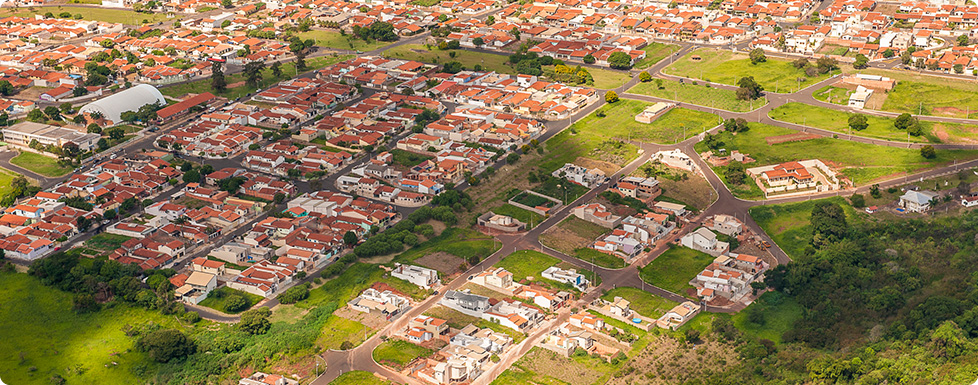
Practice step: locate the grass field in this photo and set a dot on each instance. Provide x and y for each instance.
(779, 315)
(675, 268)
(40, 164)
(463, 243)
(837, 121)
(789, 224)
(407, 158)
(358, 377)
(457, 320)
(6, 178)
(862, 163)
(217, 299)
(42, 337)
(587, 141)
(355, 279)
(106, 241)
(719, 98)
(929, 95)
(726, 67)
(531, 219)
(399, 352)
(333, 39)
(98, 14)
(654, 52)
(337, 330)
(599, 258)
(288, 72)
(544, 367)
(833, 94)
(643, 302)
(675, 125)
(526, 263)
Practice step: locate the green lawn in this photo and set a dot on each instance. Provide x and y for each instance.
(837, 121)
(530, 218)
(358, 377)
(407, 158)
(654, 52)
(526, 263)
(607, 79)
(355, 279)
(929, 95)
(779, 315)
(106, 241)
(719, 98)
(217, 299)
(675, 268)
(42, 337)
(40, 164)
(599, 258)
(675, 125)
(726, 67)
(399, 352)
(833, 94)
(789, 224)
(333, 39)
(861, 162)
(98, 14)
(288, 72)
(643, 302)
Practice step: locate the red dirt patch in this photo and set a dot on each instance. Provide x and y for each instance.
(949, 111)
(772, 140)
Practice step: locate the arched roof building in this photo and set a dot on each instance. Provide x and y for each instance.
(131, 99)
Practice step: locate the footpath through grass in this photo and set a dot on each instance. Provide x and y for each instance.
(838, 121)
(700, 94)
(862, 163)
(40, 164)
(675, 268)
(726, 67)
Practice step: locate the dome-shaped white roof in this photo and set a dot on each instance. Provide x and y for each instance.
(113, 106)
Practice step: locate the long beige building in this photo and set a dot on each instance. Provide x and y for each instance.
(21, 134)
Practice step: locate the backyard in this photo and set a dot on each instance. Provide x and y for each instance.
(726, 67)
(40, 164)
(701, 94)
(673, 269)
(862, 163)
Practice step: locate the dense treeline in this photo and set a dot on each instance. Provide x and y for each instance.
(405, 233)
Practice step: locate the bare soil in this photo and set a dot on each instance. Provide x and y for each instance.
(771, 140)
(372, 321)
(694, 191)
(563, 240)
(443, 262)
(608, 167)
(668, 361)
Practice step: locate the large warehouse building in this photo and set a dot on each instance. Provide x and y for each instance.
(113, 106)
(21, 134)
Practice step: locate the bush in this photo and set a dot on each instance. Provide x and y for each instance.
(235, 303)
(294, 294)
(165, 345)
(191, 317)
(611, 97)
(857, 200)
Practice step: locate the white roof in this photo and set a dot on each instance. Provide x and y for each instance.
(113, 106)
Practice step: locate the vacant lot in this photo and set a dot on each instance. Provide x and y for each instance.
(462, 243)
(358, 377)
(929, 95)
(598, 258)
(407, 158)
(338, 330)
(667, 361)
(675, 268)
(837, 121)
(700, 94)
(218, 299)
(833, 94)
(98, 14)
(106, 241)
(654, 52)
(530, 218)
(675, 125)
(541, 366)
(726, 67)
(789, 224)
(679, 186)
(778, 315)
(861, 163)
(40, 164)
(643, 302)
(571, 234)
(526, 263)
(398, 353)
(288, 72)
(333, 39)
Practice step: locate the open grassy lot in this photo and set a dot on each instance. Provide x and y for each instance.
(108, 15)
(606, 79)
(674, 268)
(837, 121)
(458, 320)
(40, 164)
(106, 241)
(682, 187)
(399, 352)
(338, 330)
(862, 163)
(561, 190)
(288, 72)
(599, 258)
(358, 377)
(585, 142)
(643, 302)
(541, 366)
(462, 243)
(218, 299)
(524, 263)
(675, 125)
(333, 39)
(654, 52)
(789, 224)
(407, 158)
(6, 177)
(42, 337)
(833, 94)
(700, 94)
(726, 67)
(778, 315)
(345, 287)
(531, 219)
(929, 95)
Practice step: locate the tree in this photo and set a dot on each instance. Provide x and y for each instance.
(235, 303)
(889, 53)
(735, 173)
(226, 3)
(948, 340)
(644, 77)
(294, 294)
(6, 89)
(253, 73)
(904, 121)
(255, 321)
(611, 97)
(452, 67)
(906, 57)
(192, 176)
(165, 345)
(52, 112)
(479, 42)
(861, 62)
(757, 56)
(825, 64)
(37, 116)
(589, 59)
(94, 129)
(620, 60)
(749, 88)
(218, 83)
(512, 158)
(963, 40)
(116, 133)
(276, 69)
(278, 198)
(858, 122)
(928, 152)
(958, 68)
(828, 224)
(858, 200)
(736, 125)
